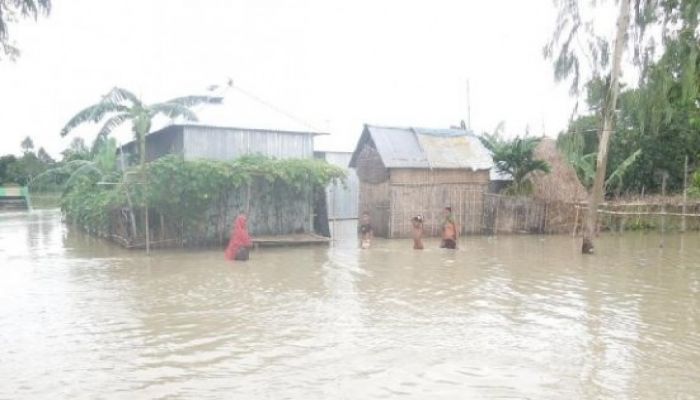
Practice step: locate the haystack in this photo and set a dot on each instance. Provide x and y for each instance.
(561, 184)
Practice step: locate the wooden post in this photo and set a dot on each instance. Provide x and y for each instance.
(148, 234)
(663, 208)
(247, 207)
(685, 192)
(546, 215)
(335, 215)
(495, 218)
(575, 227)
(162, 227)
(391, 211)
(128, 197)
(623, 221)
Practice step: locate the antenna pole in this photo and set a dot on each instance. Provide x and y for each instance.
(469, 108)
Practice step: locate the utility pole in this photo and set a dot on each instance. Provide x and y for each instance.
(608, 114)
(685, 192)
(469, 108)
(664, 176)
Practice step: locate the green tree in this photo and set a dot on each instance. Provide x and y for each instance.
(25, 168)
(566, 64)
(11, 11)
(516, 158)
(44, 156)
(673, 23)
(5, 169)
(27, 145)
(77, 150)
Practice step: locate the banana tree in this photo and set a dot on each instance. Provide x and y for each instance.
(120, 106)
(616, 177)
(585, 168)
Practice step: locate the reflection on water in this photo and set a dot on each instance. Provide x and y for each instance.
(506, 317)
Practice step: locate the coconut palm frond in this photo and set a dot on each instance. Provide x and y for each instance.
(190, 101)
(173, 110)
(93, 113)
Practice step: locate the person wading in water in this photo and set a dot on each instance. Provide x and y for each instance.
(417, 222)
(449, 230)
(240, 243)
(366, 232)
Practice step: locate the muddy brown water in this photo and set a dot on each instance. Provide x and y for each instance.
(507, 317)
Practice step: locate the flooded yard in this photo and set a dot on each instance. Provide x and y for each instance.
(506, 317)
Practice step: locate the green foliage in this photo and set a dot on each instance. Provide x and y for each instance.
(662, 124)
(661, 117)
(27, 144)
(694, 184)
(77, 150)
(616, 176)
(10, 11)
(515, 158)
(88, 204)
(20, 170)
(5, 162)
(185, 190)
(44, 156)
(64, 176)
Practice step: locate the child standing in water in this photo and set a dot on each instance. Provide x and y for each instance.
(366, 231)
(449, 230)
(417, 222)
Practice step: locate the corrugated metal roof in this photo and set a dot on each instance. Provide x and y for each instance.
(428, 148)
(399, 147)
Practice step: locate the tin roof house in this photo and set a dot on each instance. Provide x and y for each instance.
(197, 141)
(218, 138)
(408, 171)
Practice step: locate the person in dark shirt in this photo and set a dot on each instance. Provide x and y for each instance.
(366, 232)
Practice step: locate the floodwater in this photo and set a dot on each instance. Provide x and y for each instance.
(509, 317)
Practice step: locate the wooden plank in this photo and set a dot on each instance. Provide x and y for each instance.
(290, 240)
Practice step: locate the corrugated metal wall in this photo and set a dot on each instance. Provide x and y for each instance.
(342, 200)
(166, 141)
(228, 143)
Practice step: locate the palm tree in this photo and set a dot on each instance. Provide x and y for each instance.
(10, 10)
(120, 105)
(516, 158)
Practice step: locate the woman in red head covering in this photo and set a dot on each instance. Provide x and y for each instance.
(240, 241)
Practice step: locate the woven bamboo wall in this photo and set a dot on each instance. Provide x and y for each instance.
(374, 199)
(439, 176)
(407, 201)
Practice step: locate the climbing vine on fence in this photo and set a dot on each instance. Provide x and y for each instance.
(185, 190)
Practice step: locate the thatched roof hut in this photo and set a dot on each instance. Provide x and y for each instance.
(561, 184)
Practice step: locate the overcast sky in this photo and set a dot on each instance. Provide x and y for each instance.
(332, 65)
